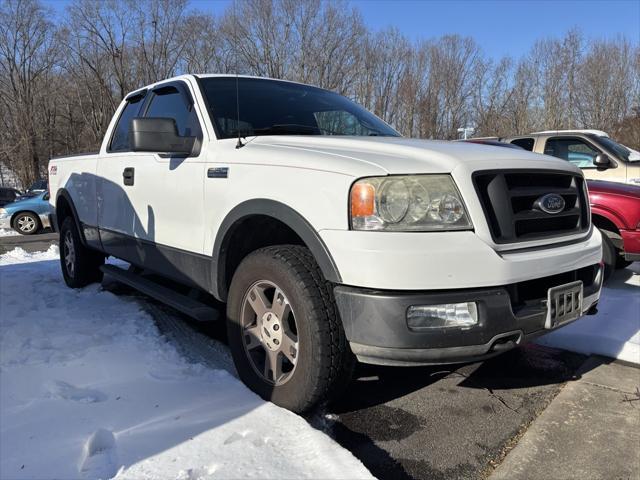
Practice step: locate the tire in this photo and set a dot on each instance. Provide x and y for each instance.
(27, 223)
(313, 358)
(80, 265)
(609, 256)
(621, 262)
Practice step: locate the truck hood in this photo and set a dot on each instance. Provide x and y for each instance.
(613, 188)
(398, 155)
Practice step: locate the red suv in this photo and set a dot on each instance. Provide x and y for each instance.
(615, 210)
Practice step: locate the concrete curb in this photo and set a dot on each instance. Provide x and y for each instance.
(591, 430)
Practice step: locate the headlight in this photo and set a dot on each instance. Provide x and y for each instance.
(407, 203)
(3, 213)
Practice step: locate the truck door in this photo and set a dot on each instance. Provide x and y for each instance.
(152, 203)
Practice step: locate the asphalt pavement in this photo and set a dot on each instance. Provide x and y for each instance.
(451, 422)
(30, 243)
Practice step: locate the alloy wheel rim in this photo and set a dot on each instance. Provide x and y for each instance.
(69, 254)
(269, 332)
(26, 224)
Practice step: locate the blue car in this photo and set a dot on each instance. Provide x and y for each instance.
(27, 215)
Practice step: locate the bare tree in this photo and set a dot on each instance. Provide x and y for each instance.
(61, 83)
(28, 53)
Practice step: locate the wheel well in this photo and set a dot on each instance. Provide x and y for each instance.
(604, 224)
(249, 234)
(63, 210)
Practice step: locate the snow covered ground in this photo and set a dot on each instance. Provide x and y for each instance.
(90, 389)
(7, 232)
(615, 330)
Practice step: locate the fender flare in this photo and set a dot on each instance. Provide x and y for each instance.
(278, 211)
(63, 193)
(608, 214)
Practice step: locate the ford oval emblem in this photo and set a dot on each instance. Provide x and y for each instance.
(550, 203)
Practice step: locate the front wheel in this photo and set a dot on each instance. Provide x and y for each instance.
(26, 223)
(285, 334)
(80, 265)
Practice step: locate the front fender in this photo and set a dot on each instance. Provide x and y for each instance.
(284, 214)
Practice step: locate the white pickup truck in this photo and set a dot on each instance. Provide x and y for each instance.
(328, 236)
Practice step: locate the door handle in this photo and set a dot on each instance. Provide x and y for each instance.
(128, 175)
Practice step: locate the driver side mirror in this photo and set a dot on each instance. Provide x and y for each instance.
(159, 135)
(602, 161)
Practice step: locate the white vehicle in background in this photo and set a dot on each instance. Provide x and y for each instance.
(328, 235)
(633, 157)
(597, 155)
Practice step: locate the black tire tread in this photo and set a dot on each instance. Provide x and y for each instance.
(88, 261)
(337, 360)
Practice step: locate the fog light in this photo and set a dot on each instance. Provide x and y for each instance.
(420, 317)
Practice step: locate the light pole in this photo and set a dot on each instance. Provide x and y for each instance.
(466, 132)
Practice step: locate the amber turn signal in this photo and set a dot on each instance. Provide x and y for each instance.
(362, 200)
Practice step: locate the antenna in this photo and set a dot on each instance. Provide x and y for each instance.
(235, 48)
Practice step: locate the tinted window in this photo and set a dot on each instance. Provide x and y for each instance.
(168, 102)
(574, 150)
(120, 139)
(526, 143)
(270, 107)
(620, 150)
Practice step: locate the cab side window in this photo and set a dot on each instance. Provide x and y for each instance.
(574, 150)
(120, 138)
(168, 102)
(526, 143)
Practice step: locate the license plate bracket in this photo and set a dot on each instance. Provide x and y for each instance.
(564, 304)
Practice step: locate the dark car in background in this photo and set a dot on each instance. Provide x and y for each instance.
(8, 195)
(38, 186)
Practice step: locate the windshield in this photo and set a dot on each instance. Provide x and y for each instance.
(621, 151)
(271, 107)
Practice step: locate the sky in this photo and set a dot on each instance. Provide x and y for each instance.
(501, 27)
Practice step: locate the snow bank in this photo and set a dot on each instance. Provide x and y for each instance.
(615, 330)
(90, 389)
(7, 232)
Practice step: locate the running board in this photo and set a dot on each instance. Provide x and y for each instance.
(183, 303)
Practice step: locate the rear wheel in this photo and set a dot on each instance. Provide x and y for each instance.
(26, 223)
(80, 265)
(284, 331)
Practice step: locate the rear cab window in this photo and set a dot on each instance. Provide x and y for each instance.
(526, 143)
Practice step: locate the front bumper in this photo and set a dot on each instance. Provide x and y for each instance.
(5, 222)
(376, 326)
(448, 260)
(631, 244)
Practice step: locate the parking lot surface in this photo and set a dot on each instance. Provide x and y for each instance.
(453, 422)
(445, 422)
(30, 243)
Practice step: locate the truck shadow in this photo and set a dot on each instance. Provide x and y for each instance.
(445, 421)
(528, 366)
